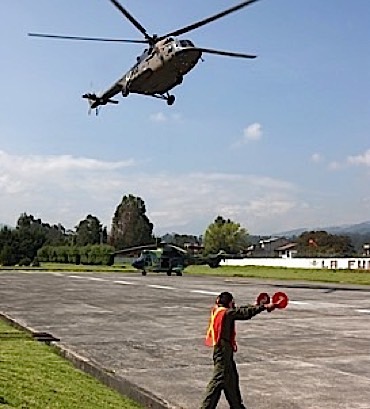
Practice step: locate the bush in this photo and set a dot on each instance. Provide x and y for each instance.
(7, 257)
(35, 262)
(25, 261)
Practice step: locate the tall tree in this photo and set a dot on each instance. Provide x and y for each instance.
(89, 231)
(54, 235)
(225, 235)
(130, 224)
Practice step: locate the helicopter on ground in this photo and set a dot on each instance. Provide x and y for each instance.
(161, 66)
(167, 258)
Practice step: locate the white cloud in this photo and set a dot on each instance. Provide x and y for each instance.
(334, 166)
(65, 189)
(253, 132)
(363, 159)
(316, 157)
(158, 117)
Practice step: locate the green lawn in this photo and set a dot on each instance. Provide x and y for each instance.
(34, 376)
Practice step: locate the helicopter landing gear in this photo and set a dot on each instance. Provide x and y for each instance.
(170, 99)
(125, 92)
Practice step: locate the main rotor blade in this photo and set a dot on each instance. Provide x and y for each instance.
(132, 19)
(225, 53)
(63, 37)
(207, 20)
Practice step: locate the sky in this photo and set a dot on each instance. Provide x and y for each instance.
(275, 143)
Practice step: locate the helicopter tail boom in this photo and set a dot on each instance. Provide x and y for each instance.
(95, 102)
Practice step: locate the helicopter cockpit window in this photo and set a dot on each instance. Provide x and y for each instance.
(186, 43)
(142, 56)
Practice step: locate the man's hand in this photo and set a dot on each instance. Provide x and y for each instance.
(270, 307)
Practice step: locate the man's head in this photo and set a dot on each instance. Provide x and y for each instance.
(225, 299)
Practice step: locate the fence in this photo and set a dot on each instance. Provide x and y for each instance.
(354, 263)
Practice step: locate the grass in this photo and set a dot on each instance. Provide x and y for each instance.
(359, 277)
(34, 376)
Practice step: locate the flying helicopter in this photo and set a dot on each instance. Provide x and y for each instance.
(163, 63)
(167, 258)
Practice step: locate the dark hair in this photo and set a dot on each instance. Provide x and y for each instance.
(224, 299)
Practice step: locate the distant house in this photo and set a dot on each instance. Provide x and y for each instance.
(194, 248)
(366, 250)
(287, 250)
(266, 247)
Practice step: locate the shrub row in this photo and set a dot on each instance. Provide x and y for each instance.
(87, 255)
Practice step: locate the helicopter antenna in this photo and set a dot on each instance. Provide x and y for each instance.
(207, 20)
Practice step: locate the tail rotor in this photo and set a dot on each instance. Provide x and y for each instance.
(92, 99)
(95, 102)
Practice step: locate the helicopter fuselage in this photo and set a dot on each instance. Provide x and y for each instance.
(158, 69)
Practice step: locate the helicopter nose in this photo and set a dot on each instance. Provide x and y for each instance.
(139, 264)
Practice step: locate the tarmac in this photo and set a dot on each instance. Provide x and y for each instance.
(144, 336)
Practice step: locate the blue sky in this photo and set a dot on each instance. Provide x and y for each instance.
(275, 143)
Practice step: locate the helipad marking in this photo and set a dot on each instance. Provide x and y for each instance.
(161, 287)
(96, 279)
(80, 277)
(364, 311)
(123, 282)
(299, 302)
(205, 292)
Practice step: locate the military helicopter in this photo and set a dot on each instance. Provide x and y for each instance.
(167, 258)
(161, 66)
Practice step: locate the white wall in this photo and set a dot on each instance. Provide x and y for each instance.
(330, 263)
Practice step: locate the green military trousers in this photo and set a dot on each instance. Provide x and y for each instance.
(225, 378)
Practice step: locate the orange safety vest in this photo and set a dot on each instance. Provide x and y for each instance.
(213, 335)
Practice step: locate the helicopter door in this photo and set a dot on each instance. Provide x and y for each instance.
(165, 262)
(148, 260)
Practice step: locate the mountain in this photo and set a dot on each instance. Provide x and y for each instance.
(347, 229)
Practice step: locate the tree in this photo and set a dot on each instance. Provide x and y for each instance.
(181, 239)
(54, 235)
(324, 244)
(89, 231)
(225, 235)
(130, 224)
(7, 257)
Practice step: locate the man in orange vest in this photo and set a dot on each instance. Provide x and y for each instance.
(221, 336)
